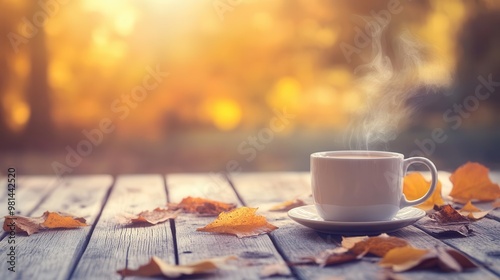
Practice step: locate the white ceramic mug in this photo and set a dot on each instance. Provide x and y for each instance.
(361, 186)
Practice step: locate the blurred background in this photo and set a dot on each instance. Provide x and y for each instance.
(123, 86)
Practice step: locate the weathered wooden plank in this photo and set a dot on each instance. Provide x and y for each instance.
(52, 254)
(114, 246)
(30, 190)
(297, 241)
(254, 252)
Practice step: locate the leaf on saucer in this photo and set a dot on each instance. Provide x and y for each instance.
(331, 257)
(288, 205)
(242, 222)
(158, 267)
(415, 186)
(202, 206)
(471, 182)
(378, 245)
(409, 258)
(472, 212)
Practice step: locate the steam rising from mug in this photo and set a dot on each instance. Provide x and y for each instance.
(386, 86)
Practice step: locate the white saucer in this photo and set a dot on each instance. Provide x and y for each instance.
(307, 216)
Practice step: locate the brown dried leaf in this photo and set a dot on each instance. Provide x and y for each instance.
(202, 206)
(23, 224)
(377, 246)
(242, 222)
(415, 186)
(335, 256)
(157, 267)
(288, 205)
(154, 217)
(471, 182)
(275, 269)
(447, 229)
(446, 215)
(49, 220)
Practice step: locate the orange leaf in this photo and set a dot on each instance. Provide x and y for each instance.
(157, 267)
(378, 245)
(415, 186)
(288, 205)
(62, 220)
(241, 222)
(202, 206)
(154, 217)
(471, 181)
(49, 220)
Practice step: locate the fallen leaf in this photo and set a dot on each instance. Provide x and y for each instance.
(403, 258)
(154, 217)
(276, 269)
(407, 258)
(446, 221)
(415, 186)
(435, 227)
(471, 182)
(288, 205)
(49, 220)
(157, 267)
(23, 224)
(446, 215)
(62, 220)
(202, 206)
(242, 222)
(378, 245)
(472, 212)
(335, 256)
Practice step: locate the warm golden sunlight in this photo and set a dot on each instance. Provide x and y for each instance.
(182, 79)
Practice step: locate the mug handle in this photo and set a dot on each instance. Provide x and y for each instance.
(406, 163)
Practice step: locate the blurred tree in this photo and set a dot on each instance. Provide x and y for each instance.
(39, 131)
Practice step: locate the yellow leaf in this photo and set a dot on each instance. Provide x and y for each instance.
(471, 181)
(404, 258)
(242, 222)
(415, 186)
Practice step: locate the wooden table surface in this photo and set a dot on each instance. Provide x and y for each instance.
(99, 250)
